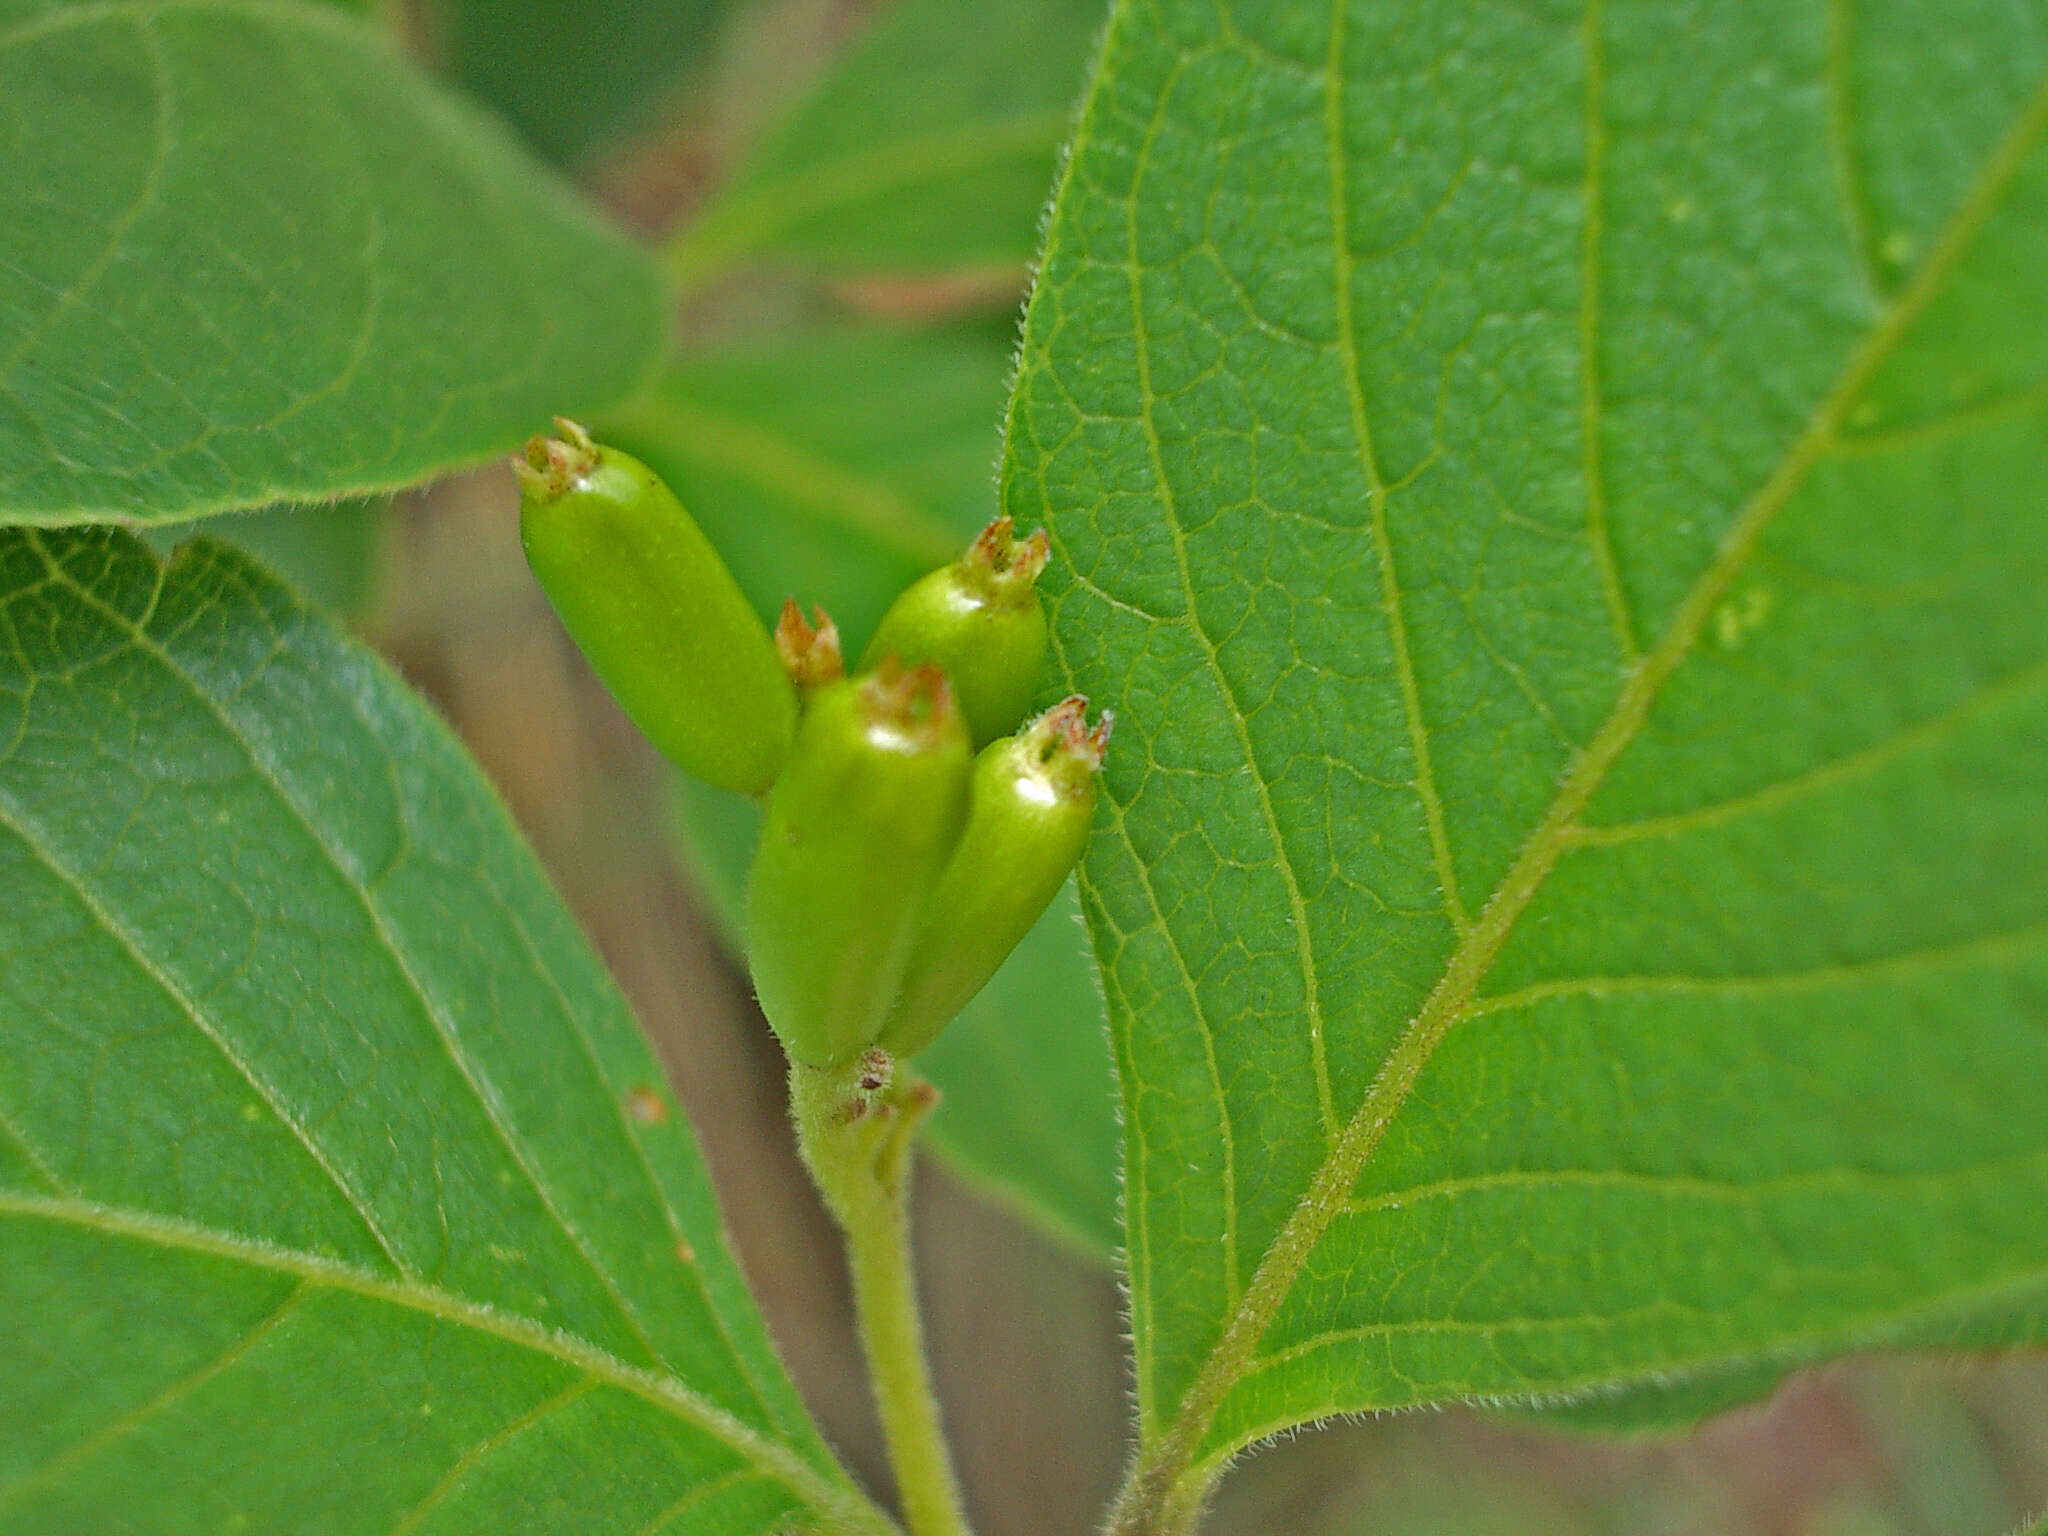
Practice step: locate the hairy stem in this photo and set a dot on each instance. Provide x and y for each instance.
(856, 1140)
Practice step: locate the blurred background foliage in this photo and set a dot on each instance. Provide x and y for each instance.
(848, 195)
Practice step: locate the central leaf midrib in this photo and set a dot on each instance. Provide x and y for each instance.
(1155, 1480)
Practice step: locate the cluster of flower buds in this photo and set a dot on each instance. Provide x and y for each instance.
(897, 868)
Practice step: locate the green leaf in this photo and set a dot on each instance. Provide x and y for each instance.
(930, 147)
(1650, 1408)
(571, 78)
(338, 1191)
(330, 553)
(247, 255)
(1559, 516)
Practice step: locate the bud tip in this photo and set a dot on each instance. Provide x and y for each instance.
(1003, 563)
(811, 655)
(1063, 731)
(916, 701)
(548, 466)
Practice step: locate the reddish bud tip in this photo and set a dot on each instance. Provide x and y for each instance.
(549, 465)
(811, 655)
(915, 703)
(1063, 733)
(1006, 566)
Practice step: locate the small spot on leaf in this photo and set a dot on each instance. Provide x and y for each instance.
(1737, 618)
(646, 1105)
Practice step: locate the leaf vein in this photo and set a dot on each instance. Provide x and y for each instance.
(669, 1212)
(1842, 149)
(16, 822)
(69, 298)
(1826, 775)
(1689, 1186)
(665, 1392)
(1232, 1283)
(1593, 465)
(434, 1013)
(84, 1450)
(1377, 494)
(37, 1163)
(470, 1459)
(1902, 965)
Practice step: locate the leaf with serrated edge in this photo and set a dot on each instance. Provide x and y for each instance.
(247, 254)
(340, 1192)
(1555, 494)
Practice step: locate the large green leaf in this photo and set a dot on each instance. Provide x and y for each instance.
(930, 147)
(338, 1191)
(571, 78)
(248, 255)
(839, 467)
(1555, 493)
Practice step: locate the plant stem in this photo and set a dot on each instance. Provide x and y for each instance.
(856, 1141)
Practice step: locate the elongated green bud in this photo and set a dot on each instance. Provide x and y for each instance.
(981, 620)
(1028, 810)
(858, 828)
(655, 610)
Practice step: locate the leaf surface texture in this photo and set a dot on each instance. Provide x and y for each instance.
(248, 254)
(339, 1190)
(1554, 493)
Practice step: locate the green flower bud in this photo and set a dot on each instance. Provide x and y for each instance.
(858, 828)
(1028, 810)
(980, 619)
(653, 607)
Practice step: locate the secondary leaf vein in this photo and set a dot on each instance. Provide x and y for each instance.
(664, 1392)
